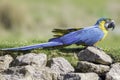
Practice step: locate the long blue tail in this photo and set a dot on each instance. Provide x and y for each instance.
(42, 45)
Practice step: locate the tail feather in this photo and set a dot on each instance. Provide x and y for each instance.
(42, 45)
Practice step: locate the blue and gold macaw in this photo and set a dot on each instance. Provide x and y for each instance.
(87, 36)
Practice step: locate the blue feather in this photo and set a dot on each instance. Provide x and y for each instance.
(42, 45)
(89, 36)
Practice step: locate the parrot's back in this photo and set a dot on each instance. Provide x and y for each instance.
(88, 36)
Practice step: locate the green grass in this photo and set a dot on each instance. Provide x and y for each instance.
(111, 45)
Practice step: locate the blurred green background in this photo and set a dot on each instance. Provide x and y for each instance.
(24, 20)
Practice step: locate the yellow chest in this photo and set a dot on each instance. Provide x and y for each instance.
(105, 31)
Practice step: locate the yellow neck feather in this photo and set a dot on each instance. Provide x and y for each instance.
(102, 27)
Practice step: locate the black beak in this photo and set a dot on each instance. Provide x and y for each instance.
(111, 25)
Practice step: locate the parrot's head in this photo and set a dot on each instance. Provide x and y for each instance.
(106, 22)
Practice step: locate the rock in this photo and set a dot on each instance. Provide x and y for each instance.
(114, 73)
(79, 76)
(41, 74)
(60, 65)
(27, 73)
(95, 55)
(84, 66)
(33, 59)
(15, 73)
(5, 62)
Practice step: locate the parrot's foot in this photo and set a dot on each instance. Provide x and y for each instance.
(98, 48)
(94, 47)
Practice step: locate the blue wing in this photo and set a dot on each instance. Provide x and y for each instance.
(89, 36)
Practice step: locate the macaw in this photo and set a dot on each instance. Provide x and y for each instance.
(87, 36)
